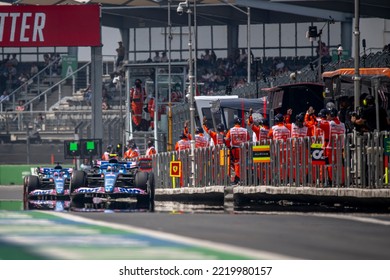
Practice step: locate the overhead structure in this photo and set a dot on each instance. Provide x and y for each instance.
(147, 13)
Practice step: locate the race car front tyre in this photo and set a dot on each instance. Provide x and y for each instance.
(77, 180)
(30, 183)
(141, 180)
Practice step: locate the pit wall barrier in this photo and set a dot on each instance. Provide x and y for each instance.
(350, 161)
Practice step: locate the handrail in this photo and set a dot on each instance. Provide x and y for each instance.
(55, 85)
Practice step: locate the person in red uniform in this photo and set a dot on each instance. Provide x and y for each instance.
(151, 108)
(218, 141)
(132, 150)
(218, 138)
(151, 150)
(137, 98)
(299, 158)
(106, 154)
(280, 133)
(310, 121)
(182, 145)
(320, 137)
(235, 137)
(287, 118)
(318, 132)
(260, 130)
(333, 129)
(186, 131)
(299, 128)
(200, 140)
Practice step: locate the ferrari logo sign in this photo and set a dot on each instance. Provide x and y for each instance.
(175, 168)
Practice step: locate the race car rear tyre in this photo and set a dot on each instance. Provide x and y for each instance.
(151, 186)
(148, 199)
(78, 179)
(141, 180)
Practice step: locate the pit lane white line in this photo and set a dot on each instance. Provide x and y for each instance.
(256, 254)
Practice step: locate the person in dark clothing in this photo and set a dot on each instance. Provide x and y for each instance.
(366, 121)
(345, 112)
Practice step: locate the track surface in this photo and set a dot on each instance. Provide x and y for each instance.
(256, 235)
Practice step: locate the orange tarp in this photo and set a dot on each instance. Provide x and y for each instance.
(362, 72)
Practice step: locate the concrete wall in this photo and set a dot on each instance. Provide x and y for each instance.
(38, 154)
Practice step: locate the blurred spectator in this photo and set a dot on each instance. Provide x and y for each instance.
(21, 106)
(23, 78)
(120, 52)
(243, 56)
(14, 61)
(46, 61)
(325, 56)
(34, 70)
(4, 98)
(56, 60)
(88, 95)
(164, 57)
(213, 58)
(279, 66)
(105, 105)
(3, 81)
(206, 58)
(157, 57)
(39, 122)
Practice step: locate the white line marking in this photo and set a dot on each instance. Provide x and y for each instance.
(257, 254)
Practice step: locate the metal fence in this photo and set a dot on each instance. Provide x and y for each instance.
(356, 161)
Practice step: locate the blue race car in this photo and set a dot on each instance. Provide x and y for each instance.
(48, 183)
(54, 205)
(114, 180)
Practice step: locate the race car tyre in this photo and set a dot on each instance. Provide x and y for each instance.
(148, 199)
(77, 180)
(151, 186)
(30, 183)
(141, 180)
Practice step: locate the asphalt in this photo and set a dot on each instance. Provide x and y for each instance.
(240, 196)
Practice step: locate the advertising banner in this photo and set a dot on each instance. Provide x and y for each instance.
(50, 26)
